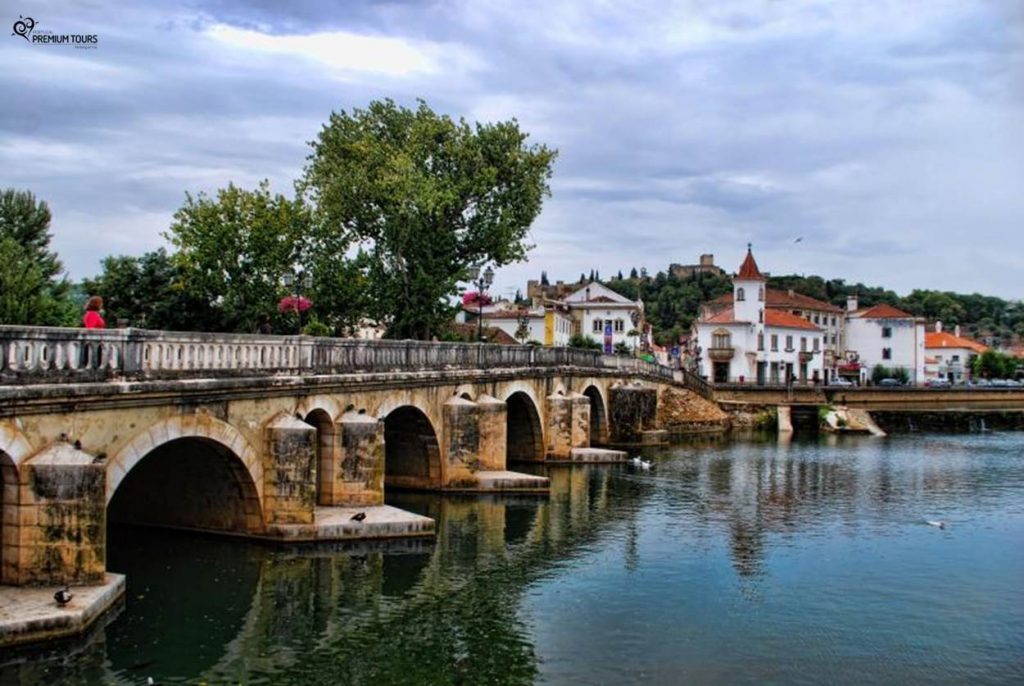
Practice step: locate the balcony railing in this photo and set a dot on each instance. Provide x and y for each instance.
(54, 355)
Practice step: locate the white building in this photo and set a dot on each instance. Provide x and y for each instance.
(747, 342)
(550, 326)
(606, 316)
(887, 336)
(826, 316)
(948, 355)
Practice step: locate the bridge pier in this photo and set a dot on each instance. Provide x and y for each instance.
(61, 528)
(361, 470)
(289, 471)
(476, 441)
(568, 424)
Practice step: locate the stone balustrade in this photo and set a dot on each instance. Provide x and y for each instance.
(54, 355)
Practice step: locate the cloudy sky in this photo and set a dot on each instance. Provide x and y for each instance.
(889, 135)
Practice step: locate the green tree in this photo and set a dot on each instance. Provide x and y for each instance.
(880, 372)
(426, 197)
(32, 289)
(544, 279)
(149, 292)
(992, 364)
(234, 250)
(584, 342)
(622, 348)
(632, 273)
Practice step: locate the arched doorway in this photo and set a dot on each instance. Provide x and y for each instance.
(598, 416)
(524, 438)
(188, 483)
(412, 456)
(8, 518)
(327, 462)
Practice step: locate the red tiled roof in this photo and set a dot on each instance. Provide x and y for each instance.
(884, 311)
(777, 298)
(723, 317)
(787, 320)
(944, 339)
(778, 318)
(749, 270)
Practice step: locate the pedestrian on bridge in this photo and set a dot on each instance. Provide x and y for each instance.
(92, 318)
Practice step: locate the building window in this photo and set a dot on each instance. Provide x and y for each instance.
(619, 326)
(721, 339)
(598, 326)
(886, 332)
(760, 341)
(886, 353)
(817, 319)
(815, 344)
(833, 321)
(789, 344)
(833, 339)
(760, 316)
(740, 295)
(775, 342)
(760, 293)
(803, 344)
(956, 358)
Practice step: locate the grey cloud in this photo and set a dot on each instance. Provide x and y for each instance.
(870, 131)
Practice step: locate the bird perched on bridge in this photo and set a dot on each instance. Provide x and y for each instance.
(358, 517)
(63, 596)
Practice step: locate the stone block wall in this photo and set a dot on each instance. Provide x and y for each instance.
(62, 519)
(361, 470)
(289, 469)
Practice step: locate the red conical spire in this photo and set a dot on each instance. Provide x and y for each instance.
(748, 270)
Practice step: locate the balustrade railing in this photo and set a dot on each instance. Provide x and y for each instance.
(50, 354)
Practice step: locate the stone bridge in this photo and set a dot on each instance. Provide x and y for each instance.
(282, 437)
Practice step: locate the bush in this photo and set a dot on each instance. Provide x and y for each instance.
(315, 327)
(584, 342)
(622, 349)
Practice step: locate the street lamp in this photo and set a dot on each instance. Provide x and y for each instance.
(482, 281)
(296, 284)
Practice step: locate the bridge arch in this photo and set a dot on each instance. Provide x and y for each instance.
(328, 447)
(199, 427)
(412, 452)
(598, 415)
(189, 481)
(524, 438)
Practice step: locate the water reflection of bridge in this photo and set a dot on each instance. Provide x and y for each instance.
(450, 609)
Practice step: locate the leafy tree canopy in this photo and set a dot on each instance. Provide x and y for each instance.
(426, 197)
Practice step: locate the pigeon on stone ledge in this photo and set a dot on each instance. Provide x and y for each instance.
(63, 596)
(358, 517)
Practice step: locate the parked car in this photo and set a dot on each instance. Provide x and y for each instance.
(840, 381)
(889, 382)
(1013, 383)
(938, 383)
(999, 383)
(979, 383)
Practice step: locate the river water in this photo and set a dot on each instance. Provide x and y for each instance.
(732, 562)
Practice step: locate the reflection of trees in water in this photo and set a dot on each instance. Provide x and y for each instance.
(446, 612)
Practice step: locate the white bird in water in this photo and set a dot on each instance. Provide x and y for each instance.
(940, 524)
(645, 465)
(636, 461)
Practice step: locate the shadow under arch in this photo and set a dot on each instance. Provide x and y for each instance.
(327, 446)
(188, 483)
(524, 439)
(598, 416)
(412, 454)
(8, 518)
